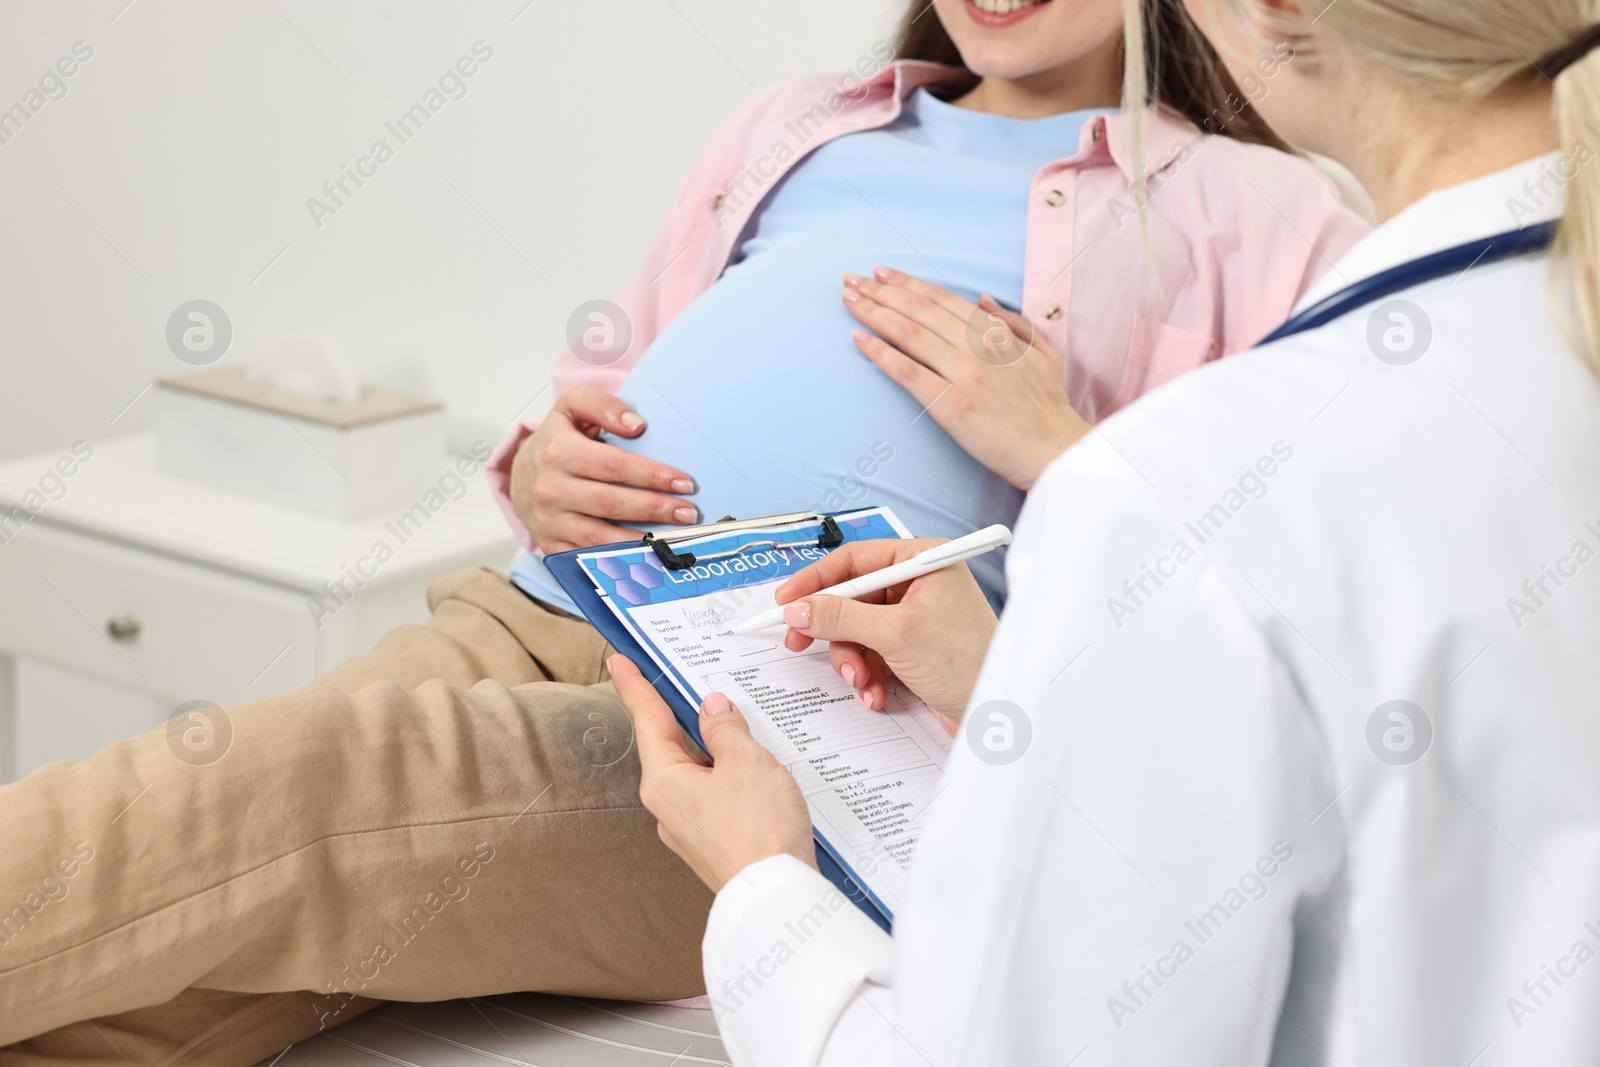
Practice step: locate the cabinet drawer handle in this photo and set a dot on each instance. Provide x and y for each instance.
(124, 627)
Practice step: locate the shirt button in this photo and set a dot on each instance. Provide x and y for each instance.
(1097, 133)
(1055, 197)
(717, 202)
(1052, 311)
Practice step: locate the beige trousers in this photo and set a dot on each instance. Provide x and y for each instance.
(454, 814)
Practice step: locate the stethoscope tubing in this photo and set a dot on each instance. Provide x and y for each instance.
(1529, 240)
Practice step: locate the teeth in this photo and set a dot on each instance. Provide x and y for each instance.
(1003, 7)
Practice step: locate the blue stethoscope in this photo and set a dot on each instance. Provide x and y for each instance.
(1502, 246)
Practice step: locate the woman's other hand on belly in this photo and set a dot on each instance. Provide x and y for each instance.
(571, 489)
(979, 370)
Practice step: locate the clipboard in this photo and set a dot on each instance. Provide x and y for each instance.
(566, 570)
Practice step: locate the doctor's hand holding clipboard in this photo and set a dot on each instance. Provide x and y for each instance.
(722, 818)
(931, 633)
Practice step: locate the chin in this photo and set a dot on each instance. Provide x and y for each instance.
(1005, 64)
(1011, 39)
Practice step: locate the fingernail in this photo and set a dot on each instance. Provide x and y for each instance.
(848, 673)
(853, 280)
(682, 485)
(987, 303)
(860, 337)
(630, 421)
(686, 516)
(716, 704)
(852, 297)
(884, 274)
(797, 616)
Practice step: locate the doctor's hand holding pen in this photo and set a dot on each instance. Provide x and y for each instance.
(931, 632)
(978, 369)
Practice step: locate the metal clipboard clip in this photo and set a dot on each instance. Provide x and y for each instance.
(661, 543)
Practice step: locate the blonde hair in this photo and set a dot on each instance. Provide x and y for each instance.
(1137, 92)
(1468, 51)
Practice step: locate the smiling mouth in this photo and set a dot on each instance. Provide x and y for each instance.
(995, 13)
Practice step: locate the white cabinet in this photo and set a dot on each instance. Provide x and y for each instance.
(181, 592)
(128, 616)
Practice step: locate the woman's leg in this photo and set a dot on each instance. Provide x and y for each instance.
(418, 837)
(481, 626)
(199, 1027)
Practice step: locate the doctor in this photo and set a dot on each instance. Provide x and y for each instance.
(1288, 750)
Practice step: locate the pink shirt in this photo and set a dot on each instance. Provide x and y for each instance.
(1232, 236)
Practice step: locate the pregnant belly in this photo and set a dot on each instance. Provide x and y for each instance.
(776, 416)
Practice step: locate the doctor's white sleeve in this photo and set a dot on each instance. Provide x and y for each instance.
(796, 973)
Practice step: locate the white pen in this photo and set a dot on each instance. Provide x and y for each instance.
(947, 555)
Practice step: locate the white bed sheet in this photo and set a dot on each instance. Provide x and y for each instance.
(526, 1029)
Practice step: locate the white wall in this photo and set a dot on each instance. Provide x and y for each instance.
(179, 162)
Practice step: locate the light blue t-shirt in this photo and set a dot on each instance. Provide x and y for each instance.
(757, 390)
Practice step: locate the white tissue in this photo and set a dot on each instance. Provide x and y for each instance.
(312, 367)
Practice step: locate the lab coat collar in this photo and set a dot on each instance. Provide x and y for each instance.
(1522, 195)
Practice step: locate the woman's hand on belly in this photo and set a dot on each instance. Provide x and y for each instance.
(978, 369)
(571, 489)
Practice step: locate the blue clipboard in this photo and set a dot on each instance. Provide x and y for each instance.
(564, 566)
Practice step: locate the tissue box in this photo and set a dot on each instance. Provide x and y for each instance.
(337, 460)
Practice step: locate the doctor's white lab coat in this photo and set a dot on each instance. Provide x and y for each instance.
(1308, 648)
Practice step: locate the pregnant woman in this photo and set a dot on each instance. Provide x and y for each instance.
(1023, 186)
(456, 813)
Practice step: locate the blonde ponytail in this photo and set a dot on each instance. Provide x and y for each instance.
(1577, 106)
